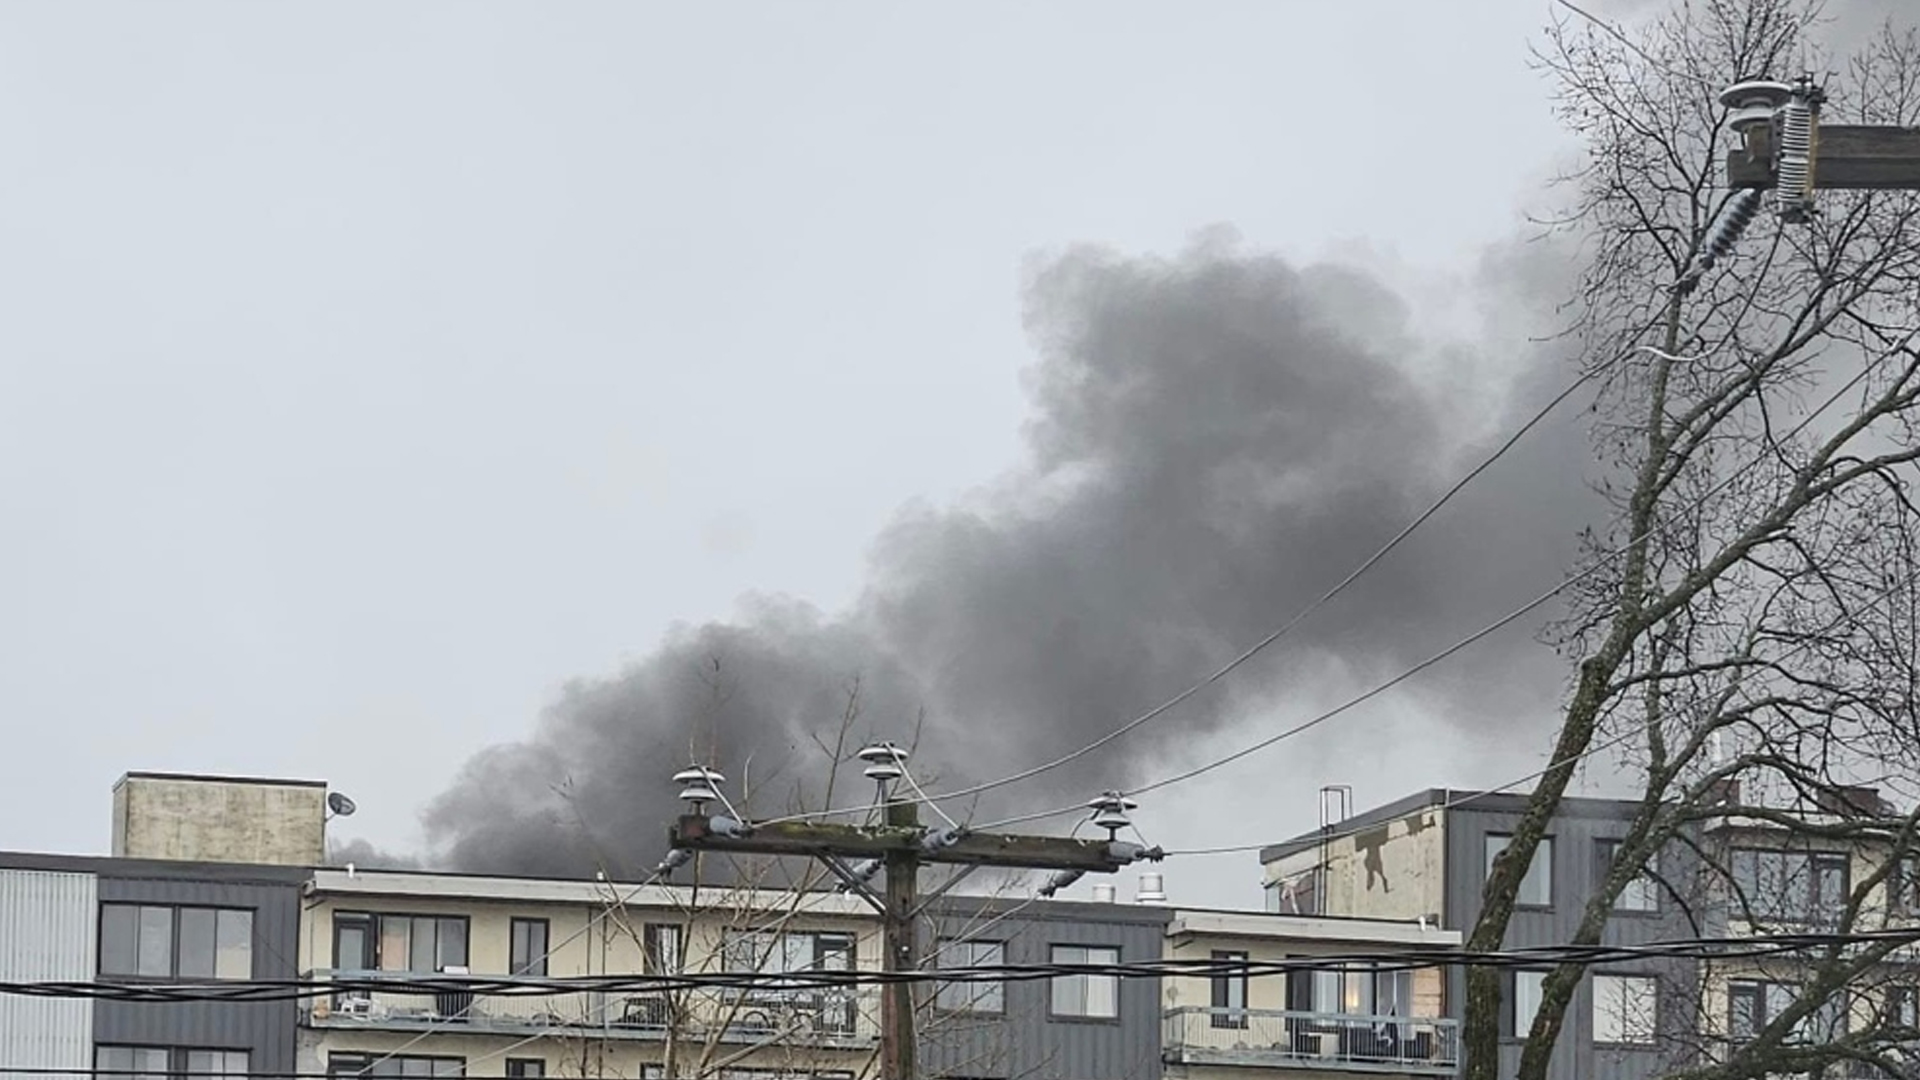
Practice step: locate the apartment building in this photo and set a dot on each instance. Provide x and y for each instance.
(222, 879)
(1775, 879)
(401, 927)
(1426, 856)
(138, 922)
(1308, 1022)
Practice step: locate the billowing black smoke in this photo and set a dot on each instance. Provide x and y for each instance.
(1216, 438)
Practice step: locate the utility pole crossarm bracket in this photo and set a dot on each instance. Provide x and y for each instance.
(1849, 157)
(852, 841)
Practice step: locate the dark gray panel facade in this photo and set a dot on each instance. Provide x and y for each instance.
(265, 1029)
(1577, 835)
(1025, 1039)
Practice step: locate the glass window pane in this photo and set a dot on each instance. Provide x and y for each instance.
(1527, 987)
(204, 1063)
(1623, 1009)
(452, 950)
(150, 1062)
(396, 937)
(1536, 885)
(233, 955)
(119, 941)
(422, 953)
(156, 942)
(113, 1059)
(196, 943)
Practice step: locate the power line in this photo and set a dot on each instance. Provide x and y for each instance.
(1760, 945)
(1298, 617)
(1605, 744)
(1597, 563)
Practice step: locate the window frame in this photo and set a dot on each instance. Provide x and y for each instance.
(1515, 1029)
(175, 915)
(340, 1062)
(1759, 992)
(981, 989)
(1546, 843)
(375, 922)
(1903, 885)
(1652, 1030)
(1806, 909)
(176, 1061)
(1055, 983)
(1221, 990)
(535, 964)
(1647, 878)
(516, 1068)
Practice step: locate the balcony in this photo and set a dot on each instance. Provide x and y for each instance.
(834, 1019)
(1309, 1040)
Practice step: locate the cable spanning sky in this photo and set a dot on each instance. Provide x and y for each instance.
(424, 403)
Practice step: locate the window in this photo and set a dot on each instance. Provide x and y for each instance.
(1789, 886)
(1641, 893)
(1624, 1009)
(1752, 1005)
(417, 943)
(1536, 888)
(1229, 992)
(1903, 886)
(1527, 989)
(135, 1062)
(401, 1065)
(152, 941)
(1903, 1008)
(662, 944)
(980, 997)
(164, 1063)
(526, 1068)
(1355, 990)
(767, 953)
(1088, 996)
(528, 948)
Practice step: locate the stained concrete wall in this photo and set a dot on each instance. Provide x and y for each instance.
(219, 819)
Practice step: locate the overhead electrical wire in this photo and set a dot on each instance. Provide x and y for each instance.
(1632, 731)
(1292, 622)
(1597, 563)
(1756, 946)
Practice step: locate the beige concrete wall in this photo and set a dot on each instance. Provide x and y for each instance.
(219, 820)
(1395, 870)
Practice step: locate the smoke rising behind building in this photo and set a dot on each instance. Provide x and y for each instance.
(1216, 438)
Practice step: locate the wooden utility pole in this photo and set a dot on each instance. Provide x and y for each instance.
(902, 946)
(1849, 157)
(902, 845)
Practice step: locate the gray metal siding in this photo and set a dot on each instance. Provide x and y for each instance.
(266, 1029)
(46, 934)
(1025, 1041)
(1576, 841)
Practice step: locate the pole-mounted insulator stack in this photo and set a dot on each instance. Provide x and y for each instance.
(1794, 127)
(1718, 243)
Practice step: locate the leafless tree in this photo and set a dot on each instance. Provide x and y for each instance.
(1745, 624)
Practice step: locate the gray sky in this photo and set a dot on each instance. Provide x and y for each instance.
(368, 374)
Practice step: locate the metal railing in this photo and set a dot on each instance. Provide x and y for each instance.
(1270, 1037)
(819, 1017)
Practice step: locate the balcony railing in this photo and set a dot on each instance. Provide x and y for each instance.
(1311, 1040)
(827, 1018)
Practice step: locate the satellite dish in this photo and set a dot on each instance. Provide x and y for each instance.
(340, 805)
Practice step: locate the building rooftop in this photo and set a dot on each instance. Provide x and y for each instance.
(1452, 799)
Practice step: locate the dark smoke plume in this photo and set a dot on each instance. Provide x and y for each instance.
(1216, 438)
